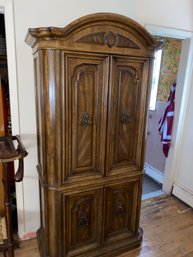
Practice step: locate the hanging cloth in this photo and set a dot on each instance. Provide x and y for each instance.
(166, 121)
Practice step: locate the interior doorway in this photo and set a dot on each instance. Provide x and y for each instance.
(165, 70)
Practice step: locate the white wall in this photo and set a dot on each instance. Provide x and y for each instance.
(169, 13)
(59, 13)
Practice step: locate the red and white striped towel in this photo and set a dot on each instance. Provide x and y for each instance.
(166, 121)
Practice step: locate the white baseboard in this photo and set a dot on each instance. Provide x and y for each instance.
(183, 194)
(152, 194)
(154, 173)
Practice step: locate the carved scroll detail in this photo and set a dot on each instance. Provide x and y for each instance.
(125, 42)
(109, 39)
(94, 38)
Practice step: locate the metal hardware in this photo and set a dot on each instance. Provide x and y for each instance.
(86, 120)
(126, 117)
(83, 221)
(120, 209)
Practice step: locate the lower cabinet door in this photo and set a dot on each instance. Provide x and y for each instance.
(82, 221)
(121, 214)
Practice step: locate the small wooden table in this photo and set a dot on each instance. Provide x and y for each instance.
(11, 149)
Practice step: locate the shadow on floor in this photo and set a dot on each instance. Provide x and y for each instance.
(151, 188)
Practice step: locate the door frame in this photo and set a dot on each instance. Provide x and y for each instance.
(184, 80)
(7, 8)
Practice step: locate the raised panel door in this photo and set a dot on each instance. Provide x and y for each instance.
(127, 105)
(121, 203)
(82, 221)
(85, 117)
(91, 90)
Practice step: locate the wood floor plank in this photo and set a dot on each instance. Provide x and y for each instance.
(168, 231)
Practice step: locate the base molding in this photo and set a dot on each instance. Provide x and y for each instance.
(154, 173)
(112, 250)
(183, 194)
(41, 242)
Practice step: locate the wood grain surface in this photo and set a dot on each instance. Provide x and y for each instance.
(168, 231)
(92, 81)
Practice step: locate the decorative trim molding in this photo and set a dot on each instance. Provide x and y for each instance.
(168, 32)
(96, 20)
(109, 39)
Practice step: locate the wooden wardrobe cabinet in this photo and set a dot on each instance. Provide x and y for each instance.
(92, 82)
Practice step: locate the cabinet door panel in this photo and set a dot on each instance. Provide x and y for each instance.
(127, 105)
(121, 203)
(86, 104)
(83, 221)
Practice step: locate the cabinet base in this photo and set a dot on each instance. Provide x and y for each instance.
(106, 251)
(41, 242)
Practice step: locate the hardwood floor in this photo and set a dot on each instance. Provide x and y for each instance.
(168, 231)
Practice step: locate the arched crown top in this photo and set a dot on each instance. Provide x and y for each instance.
(105, 29)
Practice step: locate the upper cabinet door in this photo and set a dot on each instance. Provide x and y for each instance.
(86, 78)
(126, 121)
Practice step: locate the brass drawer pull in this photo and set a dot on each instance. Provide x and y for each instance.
(120, 210)
(83, 220)
(126, 117)
(86, 120)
